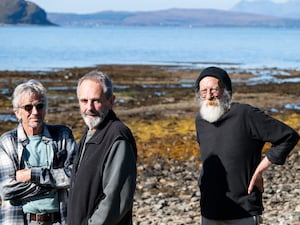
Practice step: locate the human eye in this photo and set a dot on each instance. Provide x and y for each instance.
(97, 101)
(83, 101)
(203, 91)
(215, 90)
(40, 106)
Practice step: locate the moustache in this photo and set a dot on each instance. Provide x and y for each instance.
(91, 113)
(212, 103)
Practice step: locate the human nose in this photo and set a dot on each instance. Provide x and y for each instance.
(90, 105)
(35, 110)
(209, 95)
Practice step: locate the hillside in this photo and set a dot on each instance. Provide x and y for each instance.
(22, 12)
(243, 14)
(173, 17)
(289, 9)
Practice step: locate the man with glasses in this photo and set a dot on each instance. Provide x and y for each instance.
(35, 162)
(231, 137)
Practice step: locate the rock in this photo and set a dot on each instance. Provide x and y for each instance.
(22, 12)
(169, 194)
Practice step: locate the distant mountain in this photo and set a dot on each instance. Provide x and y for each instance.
(173, 17)
(22, 12)
(290, 9)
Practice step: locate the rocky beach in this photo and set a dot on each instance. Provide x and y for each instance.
(158, 103)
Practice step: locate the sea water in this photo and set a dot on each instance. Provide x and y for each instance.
(50, 48)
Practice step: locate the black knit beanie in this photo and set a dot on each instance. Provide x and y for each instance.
(217, 73)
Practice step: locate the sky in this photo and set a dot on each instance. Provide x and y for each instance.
(91, 6)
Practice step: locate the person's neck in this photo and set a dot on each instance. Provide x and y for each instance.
(33, 131)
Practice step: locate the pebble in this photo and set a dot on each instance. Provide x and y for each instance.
(167, 193)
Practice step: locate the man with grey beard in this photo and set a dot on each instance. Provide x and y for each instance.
(104, 174)
(231, 137)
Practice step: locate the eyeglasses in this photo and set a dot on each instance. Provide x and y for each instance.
(213, 91)
(29, 107)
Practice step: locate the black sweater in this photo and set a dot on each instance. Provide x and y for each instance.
(230, 152)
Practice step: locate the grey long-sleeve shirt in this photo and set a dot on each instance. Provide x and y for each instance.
(118, 198)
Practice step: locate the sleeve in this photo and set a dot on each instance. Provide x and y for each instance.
(58, 176)
(119, 183)
(10, 189)
(268, 129)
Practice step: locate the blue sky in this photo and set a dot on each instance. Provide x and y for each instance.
(90, 6)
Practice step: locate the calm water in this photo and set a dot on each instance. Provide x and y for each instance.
(46, 48)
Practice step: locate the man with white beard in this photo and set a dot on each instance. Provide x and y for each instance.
(231, 137)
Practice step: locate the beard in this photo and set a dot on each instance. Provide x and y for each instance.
(93, 118)
(212, 110)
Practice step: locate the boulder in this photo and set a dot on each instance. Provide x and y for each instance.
(21, 12)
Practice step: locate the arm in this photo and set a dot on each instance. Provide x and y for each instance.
(119, 182)
(282, 137)
(10, 188)
(28, 183)
(58, 176)
(16, 192)
(267, 129)
(257, 179)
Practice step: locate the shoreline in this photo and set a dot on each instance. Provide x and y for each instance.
(166, 63)
(190, 65)
(240, 74)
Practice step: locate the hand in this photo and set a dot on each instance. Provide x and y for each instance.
(256, 181)
(23, 175)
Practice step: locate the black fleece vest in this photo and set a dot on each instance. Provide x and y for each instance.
(86, 182)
